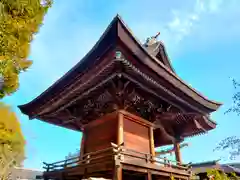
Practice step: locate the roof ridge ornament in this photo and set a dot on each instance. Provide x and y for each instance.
(152, 40)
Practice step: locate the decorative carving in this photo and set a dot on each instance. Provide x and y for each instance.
(118, 94)
(123, 94)
(152, 40)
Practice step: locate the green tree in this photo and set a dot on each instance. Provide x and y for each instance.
(215, 174)
(20, 20)
(11, 141)
(232, 142)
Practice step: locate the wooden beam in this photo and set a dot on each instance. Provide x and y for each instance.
(170, 150)
(136, 118)
(98, 121)
(177, 152)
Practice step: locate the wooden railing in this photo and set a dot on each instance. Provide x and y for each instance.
(113, 150)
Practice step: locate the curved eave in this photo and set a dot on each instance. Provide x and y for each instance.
(90, 58)
(118, 30)
(203, 127)
(214, 105)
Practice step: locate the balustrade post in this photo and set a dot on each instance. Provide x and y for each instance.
(88, 159)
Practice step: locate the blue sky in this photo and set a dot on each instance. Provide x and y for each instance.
(202, 39)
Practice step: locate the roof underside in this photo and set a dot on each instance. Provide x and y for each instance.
(148, 69)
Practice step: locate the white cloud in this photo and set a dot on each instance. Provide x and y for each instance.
(199, 6)
(184, 20)
(202, 24)
(181, 24)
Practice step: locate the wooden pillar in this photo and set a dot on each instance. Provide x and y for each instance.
(149, 176)
(82, 149)
(118, 173)
(152, 146)
(120, 129)
(177, 152)
(118, 167)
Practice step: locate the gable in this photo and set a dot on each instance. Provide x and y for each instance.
(158, 50)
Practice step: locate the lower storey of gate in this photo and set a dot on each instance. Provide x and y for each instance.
(119, 171)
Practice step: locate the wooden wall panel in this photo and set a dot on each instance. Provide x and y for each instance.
(100, 136)
(136, 136)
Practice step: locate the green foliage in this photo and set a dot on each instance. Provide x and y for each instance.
(19, 21)
(214, 174)
(11, 141)
(233, 142)
(217, 175)
(236, 99)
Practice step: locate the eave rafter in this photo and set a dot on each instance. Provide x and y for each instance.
(190, 123)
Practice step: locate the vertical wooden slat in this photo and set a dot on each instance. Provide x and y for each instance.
(152, 147)
(82, 149)
(178, 153)
(120, 129)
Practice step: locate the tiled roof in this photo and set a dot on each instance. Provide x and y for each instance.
(205, 166)
(236, 165)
